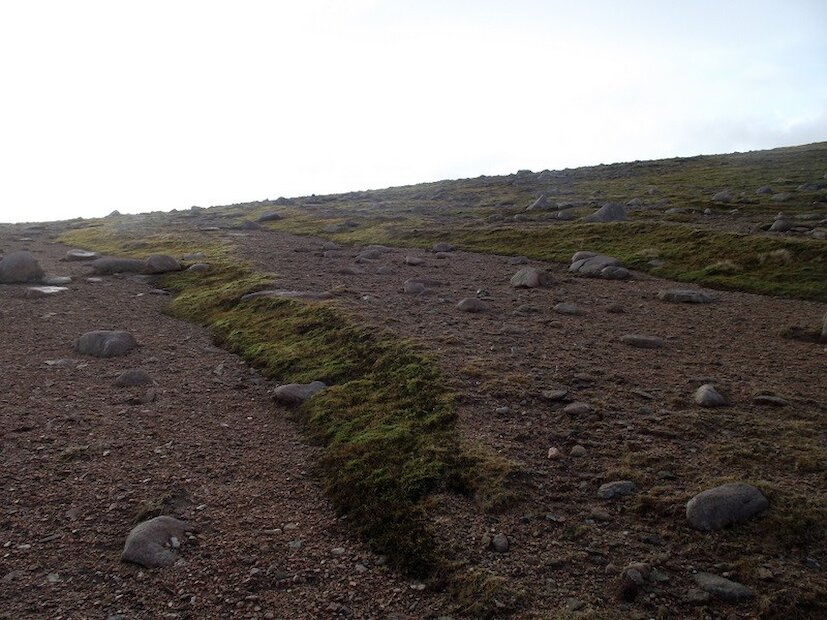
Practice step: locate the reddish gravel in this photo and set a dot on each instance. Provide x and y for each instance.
(79, 460)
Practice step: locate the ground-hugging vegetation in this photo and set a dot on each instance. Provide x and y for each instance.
(726, 247)
(386, 424)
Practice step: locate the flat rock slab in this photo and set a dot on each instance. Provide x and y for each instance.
(105, 343)
(724, 505)
(685, 296)
(109, 265)
(153, 543)
(20, 267)
(414, 260)
(311, 295)
(44, 291)
(642, 342)
(80, 255)
(618, 488)
(529, 277)
(57, 280)
(723, 589)
(570, 309)
(294, 394)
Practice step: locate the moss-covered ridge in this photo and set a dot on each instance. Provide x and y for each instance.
(386, 425)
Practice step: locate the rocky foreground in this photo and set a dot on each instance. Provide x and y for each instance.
(669, 442)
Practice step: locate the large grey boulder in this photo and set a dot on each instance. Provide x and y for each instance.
(294, 394)
(105, 343)
(529, 277)
(723, 589)
(609, 212)
(162, 263)
(19, 268)
(685, 296)
(109, 265)
(79, 255)
(724, 505)
(153, 543)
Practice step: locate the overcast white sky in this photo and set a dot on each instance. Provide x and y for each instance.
(153, 105)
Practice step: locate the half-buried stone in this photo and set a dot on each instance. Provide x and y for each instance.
(723, 589)
(724, 505)
(154, 543)
(134, 377)
(685, 296)
(708, 396)
(44, 291)
(471, 304)
(529, 277)
(20, 267)
(80, 255)
(269, 217)
(105, 343)
(294, 394)
(109, 265)
(642, 342)
(443, 247)
(57, 280)
(569, 309)
(162, 263)
(619, 488)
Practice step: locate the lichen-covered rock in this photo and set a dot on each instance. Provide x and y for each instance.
(153, 543)
(20, 267)
(529, 277)
(724, 505)
(105, 343)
